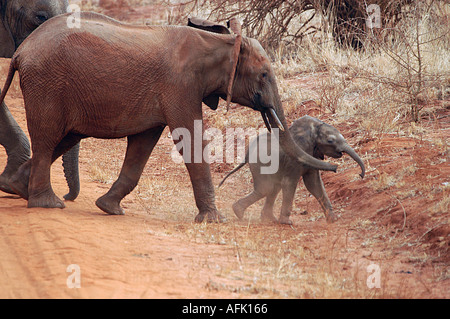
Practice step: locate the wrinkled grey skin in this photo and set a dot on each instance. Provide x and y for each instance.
(317, 139)
(18, 19)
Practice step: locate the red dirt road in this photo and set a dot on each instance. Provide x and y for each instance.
(118, 256)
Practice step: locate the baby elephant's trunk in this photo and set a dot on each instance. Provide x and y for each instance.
(350, 151)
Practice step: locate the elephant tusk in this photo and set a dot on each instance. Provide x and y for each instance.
(276, 119)
(266, 121)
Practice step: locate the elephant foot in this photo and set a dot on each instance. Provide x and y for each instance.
(109, 205)
(46, 199)
(284, 220)
(331, 218)
(238, 210)
(212, 217)
(4, 185)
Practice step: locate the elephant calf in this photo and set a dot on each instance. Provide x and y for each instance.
(315, 138)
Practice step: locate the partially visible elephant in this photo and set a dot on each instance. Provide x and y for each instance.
(18, 18)
(317, 139)
(107, 79)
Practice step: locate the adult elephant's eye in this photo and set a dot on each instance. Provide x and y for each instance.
(42, 16)
(264, 75)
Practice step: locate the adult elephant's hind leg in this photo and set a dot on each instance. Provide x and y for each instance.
(40, 192)
(139, 149)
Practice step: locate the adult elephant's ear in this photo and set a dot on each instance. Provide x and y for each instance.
(212, 100)
(207, 26)
(235, 26)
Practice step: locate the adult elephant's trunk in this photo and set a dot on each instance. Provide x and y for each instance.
(289, 146)
(350, 151)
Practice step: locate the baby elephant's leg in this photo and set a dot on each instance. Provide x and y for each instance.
(267, 211)
(314, 184)
(242, 204)
(289, 188)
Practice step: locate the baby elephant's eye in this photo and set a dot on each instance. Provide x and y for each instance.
(264, 75)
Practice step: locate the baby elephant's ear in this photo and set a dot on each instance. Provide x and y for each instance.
(207, 25)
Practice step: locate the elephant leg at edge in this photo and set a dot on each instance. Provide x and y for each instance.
(139, 148)
(16, 145)
(314, 185)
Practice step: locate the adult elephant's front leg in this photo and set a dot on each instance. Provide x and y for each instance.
(202, 185)
(190, 133)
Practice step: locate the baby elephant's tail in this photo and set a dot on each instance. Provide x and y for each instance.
(232, 172)
(246, 160)
(12, 71)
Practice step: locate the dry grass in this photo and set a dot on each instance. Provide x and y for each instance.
(385, 81)
(274, 262)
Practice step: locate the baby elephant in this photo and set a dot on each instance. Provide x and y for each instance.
(315, 138)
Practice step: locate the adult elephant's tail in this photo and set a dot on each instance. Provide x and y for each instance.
(11, 72)
(232, 172)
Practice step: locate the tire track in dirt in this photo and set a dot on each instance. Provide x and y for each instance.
(119, 256)
(16, 277)
(33, 252)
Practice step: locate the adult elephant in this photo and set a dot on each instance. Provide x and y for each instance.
(18, 19)
(115, 80)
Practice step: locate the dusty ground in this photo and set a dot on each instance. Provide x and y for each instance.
(395, 219)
